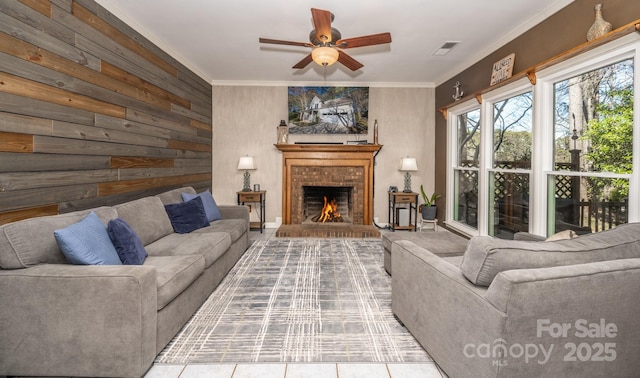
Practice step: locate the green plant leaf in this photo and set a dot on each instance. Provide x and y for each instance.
(428, 201)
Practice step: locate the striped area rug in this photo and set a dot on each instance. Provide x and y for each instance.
(299, 300)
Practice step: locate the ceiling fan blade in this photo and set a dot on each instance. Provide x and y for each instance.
(322, 24)
(367, 40)
(280, 42)
(304, 62)
(349, 62)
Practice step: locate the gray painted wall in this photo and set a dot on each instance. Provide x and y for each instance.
(245, 120)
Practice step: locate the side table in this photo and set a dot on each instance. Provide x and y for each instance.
(403, 200)
(259, 198)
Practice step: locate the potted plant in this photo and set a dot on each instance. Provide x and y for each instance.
(428, 208)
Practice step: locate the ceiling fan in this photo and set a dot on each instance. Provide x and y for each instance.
(327, 43)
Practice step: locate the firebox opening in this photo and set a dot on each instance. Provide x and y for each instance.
(327, 204)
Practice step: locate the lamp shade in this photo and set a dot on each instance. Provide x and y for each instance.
(409, 164)
(246, 162)
(324, 56)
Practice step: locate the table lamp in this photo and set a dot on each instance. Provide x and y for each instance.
(246, 163)
(408, 165)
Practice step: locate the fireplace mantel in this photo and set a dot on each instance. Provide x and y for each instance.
(327, 157)
(371, 148)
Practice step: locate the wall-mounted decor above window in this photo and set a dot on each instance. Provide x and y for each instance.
(502, 69)
(328, 110)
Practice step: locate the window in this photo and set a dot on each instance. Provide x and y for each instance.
(466, 170)
(593, 140)
(509, 175)
(552, 156)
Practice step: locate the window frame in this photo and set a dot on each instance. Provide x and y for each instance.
(453, 165)
(542, 162)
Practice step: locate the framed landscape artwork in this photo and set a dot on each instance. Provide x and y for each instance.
(328, 110)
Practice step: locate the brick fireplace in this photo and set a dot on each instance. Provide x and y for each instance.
(336, 168)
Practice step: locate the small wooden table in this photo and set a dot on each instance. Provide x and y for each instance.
(403, 200)
(259, 198)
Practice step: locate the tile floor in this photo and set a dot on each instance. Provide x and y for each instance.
(310, 370)
(296, 370)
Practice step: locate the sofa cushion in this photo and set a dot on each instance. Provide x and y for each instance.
(210, 206)
(127, 243)
(453, 260)
(211, 245)
(234, 227)
(187, 216)
(31, 241)
(147, 217)
(441, 242)
(175, 195)
(87, 243)
(485, 256)
(174, 274)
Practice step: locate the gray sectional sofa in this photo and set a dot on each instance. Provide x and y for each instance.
(441, 242)
(59, 319)
(513, 308)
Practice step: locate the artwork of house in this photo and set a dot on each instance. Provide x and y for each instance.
(339, 110)
(323, 110)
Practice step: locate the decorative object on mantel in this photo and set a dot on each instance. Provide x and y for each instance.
(459, 93)
(375, 132)
(283, 132)
(502, 69)
(246, 163)
(409, 164)
(600, 27)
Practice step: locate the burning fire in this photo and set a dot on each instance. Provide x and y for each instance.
(329, 212)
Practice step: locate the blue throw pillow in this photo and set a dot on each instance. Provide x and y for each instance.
(210, 206)
(187, 216)
(87, 243)
(127, 243)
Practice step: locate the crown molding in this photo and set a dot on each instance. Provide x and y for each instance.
(240, 83)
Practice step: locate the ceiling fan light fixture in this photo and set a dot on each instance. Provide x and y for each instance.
(325, 56)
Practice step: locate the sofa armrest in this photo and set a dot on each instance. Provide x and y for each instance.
(70, 320)
(573, 305)
(234, 212)
(441, 308)
(503, 287)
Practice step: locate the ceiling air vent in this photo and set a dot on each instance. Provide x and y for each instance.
(444, 49)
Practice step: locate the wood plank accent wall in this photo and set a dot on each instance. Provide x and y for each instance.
(92, 113)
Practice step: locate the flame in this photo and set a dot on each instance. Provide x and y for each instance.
(329, 211)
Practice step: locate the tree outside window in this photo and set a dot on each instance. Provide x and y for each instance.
(593, 139)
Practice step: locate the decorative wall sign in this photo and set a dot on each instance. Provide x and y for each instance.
(502, 69)
(328, 110)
